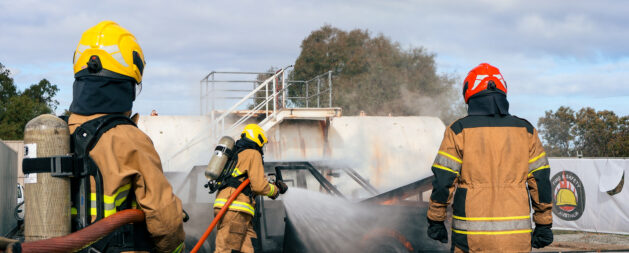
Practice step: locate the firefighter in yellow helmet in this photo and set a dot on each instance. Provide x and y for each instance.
(124, 169)
(235, 230)
(490, 164)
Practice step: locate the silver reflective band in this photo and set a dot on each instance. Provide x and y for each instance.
(491, 225)
(121, 197)
(236, 205)
(542, 161)
(82, 48)
(79, 51)
(110, 49)
(447, 162)
(118, 57)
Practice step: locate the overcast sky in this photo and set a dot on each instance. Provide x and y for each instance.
(551, 53)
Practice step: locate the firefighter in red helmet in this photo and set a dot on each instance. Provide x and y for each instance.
(490, 164)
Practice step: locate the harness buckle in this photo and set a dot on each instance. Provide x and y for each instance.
(92, 250)
(57, 166)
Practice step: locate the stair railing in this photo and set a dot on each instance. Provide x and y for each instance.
(219, 128)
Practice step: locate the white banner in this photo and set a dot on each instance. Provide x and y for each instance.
(586, 194)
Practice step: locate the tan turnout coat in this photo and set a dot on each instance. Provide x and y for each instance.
(128, 161)
(250, 163)
(235, 230)
(489, 167)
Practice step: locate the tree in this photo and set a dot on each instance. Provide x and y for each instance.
(17, 108)
(620, 144)
(261, 95)
(594, 131)
(43, 92)
(555, 130)
(588, 132)
(7, 89)
(375, 75)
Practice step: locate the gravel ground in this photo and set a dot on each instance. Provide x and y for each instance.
(586, 241)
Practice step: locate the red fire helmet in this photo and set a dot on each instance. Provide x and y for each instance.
(481, 78)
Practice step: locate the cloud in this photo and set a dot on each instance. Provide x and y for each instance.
(543, 47)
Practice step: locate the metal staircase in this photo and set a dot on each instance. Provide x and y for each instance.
(270, 101)
(273, 87)
(267, 103)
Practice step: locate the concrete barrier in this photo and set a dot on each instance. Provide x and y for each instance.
(181, 141)
(388, 151)
(8, 188)
(18, 147)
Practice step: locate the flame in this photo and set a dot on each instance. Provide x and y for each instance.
(564, 184)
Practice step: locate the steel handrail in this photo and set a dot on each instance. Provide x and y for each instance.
(232, 72)
(265, 84)
(252, 93)
(214, 132)
(273, 115)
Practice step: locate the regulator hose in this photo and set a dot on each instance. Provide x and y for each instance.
(84, 237)
(219, 216)
(17, 211)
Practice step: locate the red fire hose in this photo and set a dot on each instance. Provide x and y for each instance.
(84, 237)
(219, 215)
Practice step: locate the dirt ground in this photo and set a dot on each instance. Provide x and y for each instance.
(570, 241)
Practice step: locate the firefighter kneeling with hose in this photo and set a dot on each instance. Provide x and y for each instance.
(235, 229)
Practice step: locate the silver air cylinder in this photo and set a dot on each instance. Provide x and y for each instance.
(220, 157)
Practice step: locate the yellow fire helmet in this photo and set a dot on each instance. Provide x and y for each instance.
(255, 133)
(107, 49)
(566, 197)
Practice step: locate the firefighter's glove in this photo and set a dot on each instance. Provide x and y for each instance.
(437, 231)
(281, 186)
(542, 236)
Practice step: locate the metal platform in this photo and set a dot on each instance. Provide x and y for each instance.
(269, 99)
(301, 114)
(293, 113)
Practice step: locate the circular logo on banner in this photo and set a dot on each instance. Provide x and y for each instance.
(568, 196)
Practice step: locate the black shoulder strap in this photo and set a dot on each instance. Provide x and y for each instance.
(227, 180)
(84, 139)
(87, 135)
(130, 237)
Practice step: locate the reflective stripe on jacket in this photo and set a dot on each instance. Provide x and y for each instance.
(488, 168)
(235, 206)
(112, 202)
(249, 163)
(491, 225)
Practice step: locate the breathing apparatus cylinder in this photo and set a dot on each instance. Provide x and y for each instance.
(47, 198)
(220, 158)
